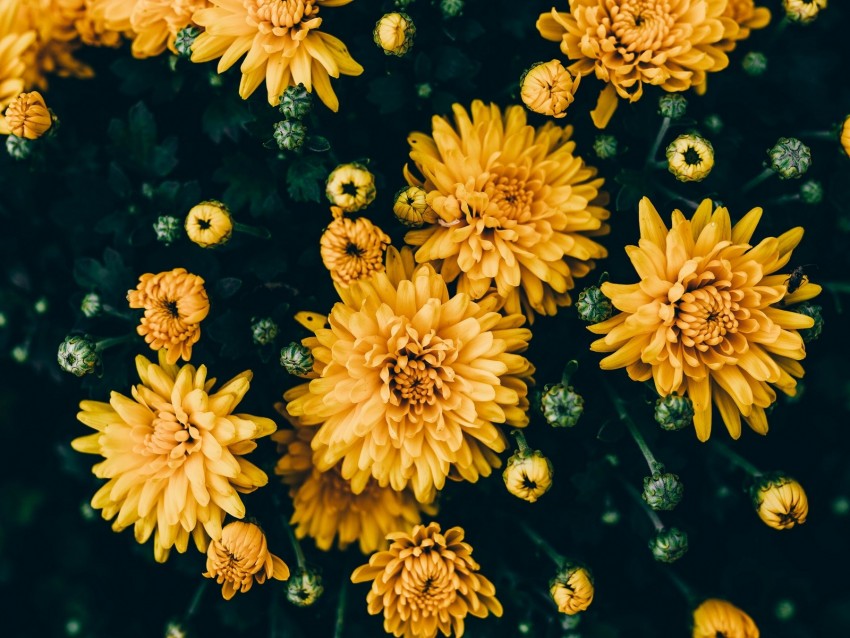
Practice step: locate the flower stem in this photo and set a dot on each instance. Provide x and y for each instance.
(542, 544)
(654, 466)
(662, 131)
(783, 199)
(296, 546)
(340, 608)
(820, 135)
(656, 520)
(196, 600)
(736, 459)
(103, 344)
(683, 588)
(676, 197)
(758, 179)
(256, 231)
(521, 443)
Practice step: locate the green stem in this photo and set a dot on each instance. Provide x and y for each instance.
(256, 231)
(103, 344)
(758, 179)
(296, 546)
(662, 131)
(784, 199)
(820, 135)
(654, 466)
(676, 197)
(656, 520)
(340, 608)
(542, 544)
(114, 312)
(736, 459)
(196, 600)
(683, 588)
(521, 443)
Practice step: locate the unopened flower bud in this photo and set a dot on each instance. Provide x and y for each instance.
(91, 306)
(20, 353)
(263, 330)
(715, 617)
(27, 116)
(690, 158)
(605, 146)
(424, 90)
(672, 105)
(78, 355)
(790, 158)
(674, 412)
(185, 39)
(815, 312)
(19, 148)
(669, 545)
(662, 491)
(167, 229)
(803, 11)
(811, 192)
(175, 629)
(290, 134)
(394, 33)
(780, 501)
(548, 88)
(451, 8)
(561, 405)
(754, 63)
(40, 306)
(713, 124)
(593, 306)
(572, 589)
(304, 587)
(411, 208)
(296, 102)
(297, 359)
(784, 609)
(528, 474)
(209, 224)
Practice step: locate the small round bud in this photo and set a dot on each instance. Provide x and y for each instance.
(528, 474)
(674, 412)
(451, 8)
(548, 88)
(78, 355)
(424, 90)
(20, 353)
(811, 192)
(841, 506)
(73, 627)
(605, 146)
(672, 105)
(790, 158)
(611, 516)
(713, 124)
(91, 306)
(572, 589)
(27, 116)
(803, 11)
(780, 501)
(401, 4)
(175, 629)
(19, 148)
(754, 63)
(304, 587)
(662, 491)
(411, 208)
(209, 224)
(844, 136)
(297, 360)
(560, 405)
(88, 512)
(185, 39)
(815, 312)
(669, 545)
(263, 330)
(40, 306)
(785, 609)
(394, 33)
(296, 102)
(690, 158)
(290, 134)
(3, 320)
(167, 229)
(593, 306)
(351, 187)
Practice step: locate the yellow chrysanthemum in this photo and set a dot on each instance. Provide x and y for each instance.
(91, 29)
(690, 157)
(572, 589)
(413, 382)
(427, 581)
(27, 116)
(350, 187)
(705, 319)
(209, 224)
(845, 135)
(173, 454)
(325, 508)
(352, 249)
(803, 11)
(627, 43)
(240, 557)
(748, 17)
(283, 44)
(515, 207)
(548, 88)
(13, 45)
(780, 501)
(716, 617)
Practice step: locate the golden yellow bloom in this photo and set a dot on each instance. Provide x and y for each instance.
(803, 10)
(325, 508)
(350, 187)
(27, 116)
(413, 382)
(173, 454)
(394, 33)
(716, 617)
(845, 136)
(209, 224)
(352, 249)
(627, 43)
(548, 88)
(706, 320)
(690, 158)
(90, 28)
(572, 589)
(240, 557)
(13, 45)
(515, 207)
(411, 207)
(528, 474)
(427, 582)
(175, 303)
(748, 17)
(780, 502)
(283, 44)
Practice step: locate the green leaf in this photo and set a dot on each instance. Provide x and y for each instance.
(226, 117)
(303, 179)
(388, 93)
(453, 63)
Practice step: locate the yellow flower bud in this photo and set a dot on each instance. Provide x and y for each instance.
(780, 502)
(209, 224)
(528, 475)
(411, 207)
(572, 589)
(803, 11)
(394, 33)
(690, 158)
(548, 88)
(716, 617)
(27, 116)
(845, 135)
(350, 187)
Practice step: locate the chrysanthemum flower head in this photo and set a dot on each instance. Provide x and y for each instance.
(572, 589)
(427, 582)
(548, 88)
(748, 17)
(707, 318)
(715, 617)
(173, 454)
(352, 249)
(13, 44)
(283, 43)
(209, 224)
(175, 303)
(515, 207)
(90, 28)
(240, 557)
(413, 382)
(27, 116)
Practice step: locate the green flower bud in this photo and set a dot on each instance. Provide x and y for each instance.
(185, 39)
(20, 353)
(78, 355)
(304, 587)
(811, 192)
(593, 306)
(40, 306)
(290, 134)
(167, 229)
(754, 63)
(790, 158)
(451, 8)
(605, 146)
(713, 124)
(176, 629)
(785, 609)
(263, 330)
(19, 148)
(90, 306)
(424, 90)
(669, 545)
(662, 491)
(3, 320)
(672, 105)
(297, 359)
(561, 405)
(815, 312)
(674, 412)
(296, 102)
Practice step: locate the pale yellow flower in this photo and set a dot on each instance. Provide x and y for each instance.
(209, 224)
(350, 187)
(548, 88)
(394, 33)
(716, 617)
(690, 158)
(528, 475)
(803, 11)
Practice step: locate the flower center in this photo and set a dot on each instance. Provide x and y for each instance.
(705, 316)
(170, 307)
(640, 25)
(172, 436)
(512, 198)
(353, 250)
(204, 224)
(429, 584)
(692, 157)
(282, 17)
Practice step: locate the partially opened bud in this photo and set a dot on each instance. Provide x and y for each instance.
(27, 116)
(304, 587)
(209, 224)
(669, 545)
(394, 33)
(548, 88)
(716, 617)
(297, 360)
(572, 589)
(528, 474)
(780, 501)
(78, 355)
